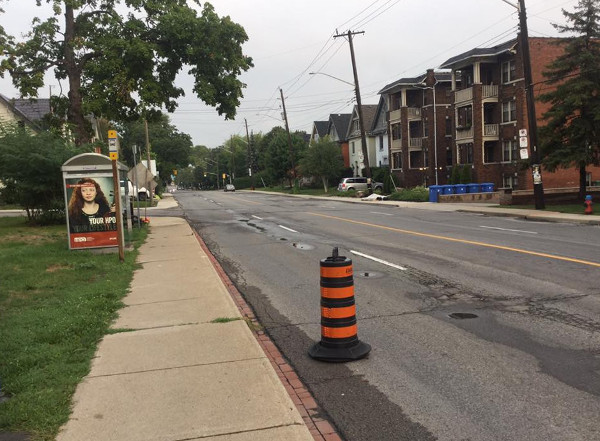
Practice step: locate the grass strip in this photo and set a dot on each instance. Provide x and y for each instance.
(55, 307)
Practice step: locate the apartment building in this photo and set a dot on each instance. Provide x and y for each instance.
(489, 108)
(419, 128)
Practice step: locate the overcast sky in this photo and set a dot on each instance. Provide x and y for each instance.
(287, 40)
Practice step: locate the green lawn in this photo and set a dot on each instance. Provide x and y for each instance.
(55, 306)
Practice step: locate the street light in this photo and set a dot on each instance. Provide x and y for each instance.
(331, 76)
(423, 86)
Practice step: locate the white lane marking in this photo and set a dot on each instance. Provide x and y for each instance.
(289, 229)
(508, 229)
(393, 265)
(385, 214)
(212, 201)
(256, 217)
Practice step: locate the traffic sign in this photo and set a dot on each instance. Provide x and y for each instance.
(523, 141)
(523, 132)
(524, 154)
(114, 156)
(112, 134)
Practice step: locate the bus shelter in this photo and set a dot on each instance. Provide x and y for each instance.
(90, 201)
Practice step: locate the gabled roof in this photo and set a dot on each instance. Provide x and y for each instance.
(440, 77)
(340, 122)
(321, 128)
(368, 113)
(381, 112)
(478, 53)
(30, 111)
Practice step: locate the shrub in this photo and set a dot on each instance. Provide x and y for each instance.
(417, 194)
(465, 175)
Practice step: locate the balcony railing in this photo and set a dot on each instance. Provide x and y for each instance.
(489, 91)
(395, 115)
(415, 142)
(491, 130)
(414, 113)
(463, 95)
(464, 133)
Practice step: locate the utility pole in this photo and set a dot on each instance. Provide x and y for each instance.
(149, 183)
(250, 156)
(287, 128)
(361, 122)
(538, 188)
(232, 150)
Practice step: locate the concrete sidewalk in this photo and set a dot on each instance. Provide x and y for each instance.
(179, 374)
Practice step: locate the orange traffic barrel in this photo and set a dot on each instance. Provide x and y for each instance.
(339, 332)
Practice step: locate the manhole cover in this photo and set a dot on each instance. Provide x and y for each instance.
(303, 246)
(462, 315)
(368, 274)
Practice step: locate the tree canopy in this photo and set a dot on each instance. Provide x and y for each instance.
(120, 66)
(571, 136)
(324, 160)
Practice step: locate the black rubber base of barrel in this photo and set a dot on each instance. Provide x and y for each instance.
(339, 355)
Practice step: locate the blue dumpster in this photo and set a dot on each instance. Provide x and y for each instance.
(447, 189)
(434, 192)
(487, 187)
(460, 189)
(473, 188)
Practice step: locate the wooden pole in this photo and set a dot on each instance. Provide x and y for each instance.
(117, 193)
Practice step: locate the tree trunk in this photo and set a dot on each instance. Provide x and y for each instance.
(75, 113)
(324, 179)
(582, 181)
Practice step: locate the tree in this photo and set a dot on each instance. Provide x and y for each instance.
(120, 66)
(30, 171)
(274, 152)
(571, 135)
(324, 160)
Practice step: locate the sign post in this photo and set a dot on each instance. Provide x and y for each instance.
(113, 146)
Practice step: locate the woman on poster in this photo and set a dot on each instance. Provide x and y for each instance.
(89, 210)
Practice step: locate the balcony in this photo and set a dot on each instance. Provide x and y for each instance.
(415, 142)
(489, 91)
(464, 95)
(414, 113)
(396, 144)
(464, 133)
(395, 115)
(491, 130)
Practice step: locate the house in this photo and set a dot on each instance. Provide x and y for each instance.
(319, 130)
(379, 130)
(338, 130)
(490, 108)
(420, 139)
(356, 157)
(25, 112)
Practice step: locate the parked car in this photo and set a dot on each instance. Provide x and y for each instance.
(229, 187)
(358, 183)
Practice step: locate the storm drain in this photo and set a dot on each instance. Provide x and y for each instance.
(462, 315)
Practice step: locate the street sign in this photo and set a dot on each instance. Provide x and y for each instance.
(112, 134)
(523, 132)
(524, 154)
(112, 145)
(114, 156)
(523, 142)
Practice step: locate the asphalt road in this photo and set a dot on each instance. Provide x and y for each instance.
(527, 367)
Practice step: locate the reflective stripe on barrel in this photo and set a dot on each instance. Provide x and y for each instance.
(345, 332)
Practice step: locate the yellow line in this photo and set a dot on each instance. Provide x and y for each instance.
(470, 242)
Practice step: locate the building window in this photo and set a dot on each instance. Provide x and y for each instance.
(508, 71)
(381, 143)
(448, 156)
(396, 131)
(415, 159)
(426, 130)
(509, 111)
(397, 160)
(510, 181)
(352, 144)
(355, 126)
(464, 153)
(509, 151)
(465, 117)
(448, 127)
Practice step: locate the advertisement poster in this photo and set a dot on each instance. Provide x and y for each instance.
(91, 212)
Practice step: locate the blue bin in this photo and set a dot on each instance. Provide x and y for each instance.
(447, 189)
(434, 192)
(487, 187)
(460, 189)
(473, 188)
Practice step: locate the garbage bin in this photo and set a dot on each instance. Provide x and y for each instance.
(447, 189)
(473, 188)
(434, 192)
(460, 189)
(487, 187)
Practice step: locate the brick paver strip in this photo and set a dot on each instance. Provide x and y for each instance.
(320, 429)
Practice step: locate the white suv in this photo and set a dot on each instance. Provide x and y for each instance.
(358, 183)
